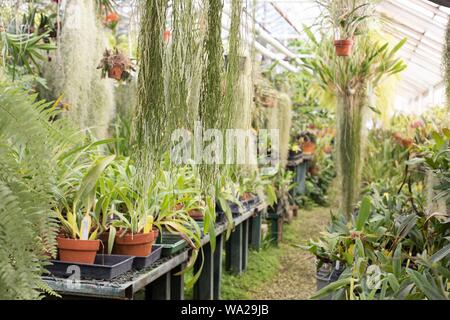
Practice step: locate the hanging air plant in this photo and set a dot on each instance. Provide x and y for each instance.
(353, 82)
(116, 65)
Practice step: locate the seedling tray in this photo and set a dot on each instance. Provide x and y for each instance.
(105, 267)
(201, 225)
(251, 203)
(144, 262)
(171, 244)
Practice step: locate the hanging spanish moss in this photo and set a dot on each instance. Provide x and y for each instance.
(211, 94)
(184, 63)
(72, 73)
(284, 125)
(447, 63)
(236, 69)
(218, 99)
(151, 113)
(240, 82)
(350, 111)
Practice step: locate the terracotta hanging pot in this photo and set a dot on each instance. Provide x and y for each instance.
(343, 47)
(75, 250)
(138, 244)
(116, 72)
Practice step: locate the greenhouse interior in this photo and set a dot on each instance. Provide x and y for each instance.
(224, 150)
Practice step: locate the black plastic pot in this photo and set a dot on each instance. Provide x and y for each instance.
(326, 274)
(251, 203)
(235, 209)
(105, 267)
(294, 155)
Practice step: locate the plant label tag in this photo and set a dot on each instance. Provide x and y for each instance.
(85, 227)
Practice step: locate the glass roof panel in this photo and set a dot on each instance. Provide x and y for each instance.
(421, 21)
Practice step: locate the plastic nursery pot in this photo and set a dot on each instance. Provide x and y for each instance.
(115, 72)
(246, 196)
(75, 250)
(138, 244)
(196, 214)
(308, 147)
(343, 47)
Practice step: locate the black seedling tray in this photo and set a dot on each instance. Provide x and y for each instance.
(235, 209)
(105, 267)
(293, 156)
(251, 203)
(144, 262)
(171, 243)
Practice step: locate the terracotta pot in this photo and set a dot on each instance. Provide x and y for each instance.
(196, 214)
(246, 196)
(74, 250)
(308, 147)
(314, 170)
(343, 47)
(115, 72)
(138, 244)
(328, 149)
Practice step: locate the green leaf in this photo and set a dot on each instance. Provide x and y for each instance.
(364, 213)
(86, 190)
(331, 288)
(427, 287)
(397, 261)
(441, 254)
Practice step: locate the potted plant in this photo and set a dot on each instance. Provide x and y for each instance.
(308, 142)
(77, 240)
(133, 229)
(115, 65)
(345, 16)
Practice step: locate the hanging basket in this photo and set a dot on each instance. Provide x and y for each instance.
(115, 65)
(343, 47)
